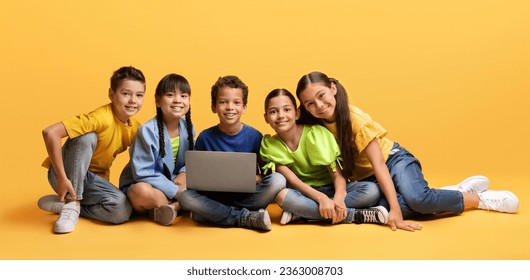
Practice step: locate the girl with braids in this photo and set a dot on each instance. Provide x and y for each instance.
(156, 175)
(368, 155)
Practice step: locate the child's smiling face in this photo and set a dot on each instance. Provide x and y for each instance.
(127, 99)
(229, 106)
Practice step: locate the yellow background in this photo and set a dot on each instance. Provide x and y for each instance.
(449, 80)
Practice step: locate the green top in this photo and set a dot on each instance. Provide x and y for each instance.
(316, 150)
(175, 143)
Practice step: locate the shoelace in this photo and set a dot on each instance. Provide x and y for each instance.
(69, 214)
(492, 203)
(366, 216)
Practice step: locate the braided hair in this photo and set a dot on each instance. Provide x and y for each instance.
(172, 83)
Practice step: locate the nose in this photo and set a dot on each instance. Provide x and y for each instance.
(319, 104)
(177, 98)
(133, 99)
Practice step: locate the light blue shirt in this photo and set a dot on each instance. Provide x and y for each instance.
(145, 163)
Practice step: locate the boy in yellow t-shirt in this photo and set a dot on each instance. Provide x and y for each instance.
(79, 170)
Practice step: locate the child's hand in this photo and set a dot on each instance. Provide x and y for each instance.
(396, 222)
(180, 180)
(64, 189)
(326, 207)
(340, 210)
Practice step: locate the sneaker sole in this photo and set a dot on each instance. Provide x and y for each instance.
(286, 217)
(383, 213)
(267, 220)
(164, 215)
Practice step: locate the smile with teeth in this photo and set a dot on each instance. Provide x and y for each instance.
(323, 110)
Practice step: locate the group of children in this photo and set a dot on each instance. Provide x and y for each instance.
(328, 161)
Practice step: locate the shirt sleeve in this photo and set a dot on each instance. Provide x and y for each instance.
(365, 129)
(322, 148)
(273, 152)
(145, 162)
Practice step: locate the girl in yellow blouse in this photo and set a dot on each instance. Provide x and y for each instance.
(369, 156)
(307, 155)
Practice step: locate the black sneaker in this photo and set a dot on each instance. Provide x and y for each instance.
(258, 220)
(373, 215)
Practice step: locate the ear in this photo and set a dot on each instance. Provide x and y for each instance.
(111, 93)
(265, 117)
(333, 88)
(297, 116)
(244, 109)
(214, 110)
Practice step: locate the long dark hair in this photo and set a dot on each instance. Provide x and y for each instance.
(172, 83)
(342, 114)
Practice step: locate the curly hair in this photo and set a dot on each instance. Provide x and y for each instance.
(232, 82)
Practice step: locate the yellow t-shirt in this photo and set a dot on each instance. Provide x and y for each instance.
(365, 129)
(113, 136)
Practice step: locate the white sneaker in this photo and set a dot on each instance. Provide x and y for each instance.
(502, 201)
(474, 184)
(50, 203)
(68, 218)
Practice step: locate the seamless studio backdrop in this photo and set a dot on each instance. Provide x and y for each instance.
(449, 80)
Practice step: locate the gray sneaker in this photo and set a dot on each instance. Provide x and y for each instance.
(258, 220)
(164, 215)
(50, 203)
(68, 218)
(373, 215)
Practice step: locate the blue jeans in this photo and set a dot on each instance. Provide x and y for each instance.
(358, 195)
(414, 195)
(228, 209)
(100, 200)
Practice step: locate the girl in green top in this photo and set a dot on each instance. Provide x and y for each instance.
(307, 156)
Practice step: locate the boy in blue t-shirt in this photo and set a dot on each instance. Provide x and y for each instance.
(229, 101)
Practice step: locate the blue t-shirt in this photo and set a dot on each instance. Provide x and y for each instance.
(248, 140)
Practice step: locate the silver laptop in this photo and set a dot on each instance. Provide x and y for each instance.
(221, 171)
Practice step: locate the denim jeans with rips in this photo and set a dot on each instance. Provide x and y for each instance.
(100, 200)
(358, 195)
